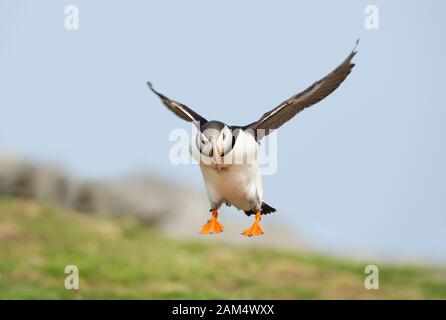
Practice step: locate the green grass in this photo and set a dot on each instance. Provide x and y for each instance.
(118, 258)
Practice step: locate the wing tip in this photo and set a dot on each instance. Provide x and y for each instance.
(356, 45)
(352, 55)
(150, 85)
(355, 48)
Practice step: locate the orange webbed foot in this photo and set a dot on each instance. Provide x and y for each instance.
(212, 226)
(255, 229)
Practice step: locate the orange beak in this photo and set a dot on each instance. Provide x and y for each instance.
(216, 156)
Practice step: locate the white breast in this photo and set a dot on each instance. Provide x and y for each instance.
(239, 183)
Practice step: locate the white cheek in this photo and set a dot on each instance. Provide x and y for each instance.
(245, 149)
(227, 144)
(206, 148)
(223, 144)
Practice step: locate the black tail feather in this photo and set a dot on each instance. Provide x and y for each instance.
(266, 209)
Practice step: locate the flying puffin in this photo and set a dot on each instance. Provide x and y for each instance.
(228, 155)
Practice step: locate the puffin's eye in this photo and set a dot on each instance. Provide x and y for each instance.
(224, 136)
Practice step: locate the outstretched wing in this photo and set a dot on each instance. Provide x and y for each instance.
(179, 109)
(313, 94)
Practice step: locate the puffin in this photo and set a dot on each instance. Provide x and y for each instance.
(228, 155)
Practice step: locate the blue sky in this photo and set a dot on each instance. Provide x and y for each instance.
(362, 171)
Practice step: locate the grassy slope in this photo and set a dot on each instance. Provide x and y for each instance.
(120, 259)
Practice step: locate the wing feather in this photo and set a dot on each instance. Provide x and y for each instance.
(312, 95)
(181, 110)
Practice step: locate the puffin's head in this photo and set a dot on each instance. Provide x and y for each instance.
(214, 140)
